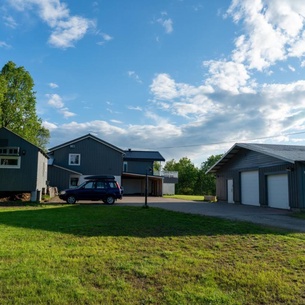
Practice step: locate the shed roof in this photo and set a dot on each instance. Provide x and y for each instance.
(134, 155)
(288, 153)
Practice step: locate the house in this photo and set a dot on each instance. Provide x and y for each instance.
(137, 165)
(23, 166)
(72, 161)
(262, 175)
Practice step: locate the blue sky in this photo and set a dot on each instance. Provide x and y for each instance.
(188, 78)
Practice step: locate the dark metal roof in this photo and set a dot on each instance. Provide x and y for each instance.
(133, 155)
(85, 137)
(288, 153)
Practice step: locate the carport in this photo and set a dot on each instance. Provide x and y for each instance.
(134, 184)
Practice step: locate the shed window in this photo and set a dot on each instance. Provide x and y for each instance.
(74, 159)
(9, 162)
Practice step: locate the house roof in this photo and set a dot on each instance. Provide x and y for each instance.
(288, 153)
(133, 155)
(83, 138)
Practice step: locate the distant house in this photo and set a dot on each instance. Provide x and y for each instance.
(88, 155)
(262, 175)
(136, 166)
(23, 166)
(72, 161)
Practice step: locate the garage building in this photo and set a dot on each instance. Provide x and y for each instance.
(262, 175)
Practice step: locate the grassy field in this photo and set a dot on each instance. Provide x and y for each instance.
(186, 197)
(95, 254)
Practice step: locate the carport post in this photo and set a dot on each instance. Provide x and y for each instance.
(146, 187)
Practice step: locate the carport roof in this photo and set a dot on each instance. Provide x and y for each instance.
(288, 153)
(132, 155)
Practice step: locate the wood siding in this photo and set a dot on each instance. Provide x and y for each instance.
(96, 158)
(29, 177)
(139, 167)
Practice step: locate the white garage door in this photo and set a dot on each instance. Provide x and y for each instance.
(250, 188)
(278, 191)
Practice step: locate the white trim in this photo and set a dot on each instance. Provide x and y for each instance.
(3, 163)
(74, 159)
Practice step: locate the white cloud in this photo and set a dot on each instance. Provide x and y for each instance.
(66, 113)
(10, 22)
(55, 101)
(66, 29)
(166, 23)
(3, 44)
(49, 125)
(137, 108)
(53, 85)
(135, 76)
(273, 31)
(228, 76)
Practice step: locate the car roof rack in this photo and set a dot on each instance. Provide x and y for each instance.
(100, 178)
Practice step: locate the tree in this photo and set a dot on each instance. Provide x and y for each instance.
(207, 182)
(18, 105)
(187, 175)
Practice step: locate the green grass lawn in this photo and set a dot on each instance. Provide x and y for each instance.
(186, 197)
(96, 254)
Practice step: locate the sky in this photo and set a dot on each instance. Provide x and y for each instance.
(188, 78)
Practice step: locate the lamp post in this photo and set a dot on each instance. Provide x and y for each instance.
(146, 187)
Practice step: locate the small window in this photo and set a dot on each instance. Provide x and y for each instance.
(74, 181)
(74, 159)
(125, 166)
(89, 185)
(100, 185)
(9, 162)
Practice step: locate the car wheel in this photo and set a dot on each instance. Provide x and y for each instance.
(71, 199)
(109, 200)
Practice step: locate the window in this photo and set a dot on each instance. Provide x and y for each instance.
(13, 151)
(100, 185)
(74, 181)
(89, 185)
(125, 166)
(9, 162)
(74, 159)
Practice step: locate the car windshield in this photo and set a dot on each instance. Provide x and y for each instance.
(81, 185)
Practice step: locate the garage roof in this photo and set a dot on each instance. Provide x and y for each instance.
(288, 153)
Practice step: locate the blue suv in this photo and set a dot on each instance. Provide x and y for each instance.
(95, 188)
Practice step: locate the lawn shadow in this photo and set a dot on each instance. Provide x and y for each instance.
(101, 220)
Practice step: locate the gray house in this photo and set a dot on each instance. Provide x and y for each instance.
(138, 164)
(262, 175)
(72, 161)
(23, 166)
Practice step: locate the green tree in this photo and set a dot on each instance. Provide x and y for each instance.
(187, 173)
(206, 183)
(18, 105)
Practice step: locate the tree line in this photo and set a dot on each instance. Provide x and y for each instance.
(18, 105)
(193, 180)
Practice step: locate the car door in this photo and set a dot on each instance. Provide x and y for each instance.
(87, 192)
(101, 190)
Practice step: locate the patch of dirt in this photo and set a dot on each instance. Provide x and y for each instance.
(12, 196)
